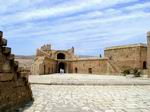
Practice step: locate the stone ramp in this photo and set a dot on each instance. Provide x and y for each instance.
(86, 79)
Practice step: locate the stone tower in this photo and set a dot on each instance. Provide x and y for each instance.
(148, 52)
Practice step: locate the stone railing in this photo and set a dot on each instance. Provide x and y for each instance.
(14, 89)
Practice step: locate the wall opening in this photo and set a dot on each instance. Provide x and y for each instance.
(61, 67)
(60, 56)
(90, 70)
(49, 70)
(44, 69)
(144, 65)
(76, 70)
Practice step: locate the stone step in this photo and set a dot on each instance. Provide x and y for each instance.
(3, 42)
(16, 64)
(11, 57)
(6, 50)
(6, 67)
(6, 76)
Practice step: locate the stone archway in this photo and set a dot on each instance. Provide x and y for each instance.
(61, 67)
(61, 56)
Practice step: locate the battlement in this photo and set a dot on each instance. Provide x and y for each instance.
(46, 47)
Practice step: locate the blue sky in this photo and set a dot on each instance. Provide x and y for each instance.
(88, 25)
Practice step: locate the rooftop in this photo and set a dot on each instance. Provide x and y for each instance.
(126, 46)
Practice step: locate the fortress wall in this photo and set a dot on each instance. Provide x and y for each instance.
(127, 57)
(14, 89)
(97, 66)
(50, 66)
(36, 68)
(43, 65)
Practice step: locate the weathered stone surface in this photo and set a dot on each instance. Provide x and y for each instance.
(11, 57)
(16, 63)
(14, 90)
(148, 34)
(6, 50)
(6, 67)
(148, 53)
(127, 56)
(89, 99)
(3, 42)
(6, 76)
(116, 60)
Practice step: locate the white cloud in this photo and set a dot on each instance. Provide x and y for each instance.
(138, 6)
(79, 23)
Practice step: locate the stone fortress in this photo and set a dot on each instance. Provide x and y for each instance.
(116, 59)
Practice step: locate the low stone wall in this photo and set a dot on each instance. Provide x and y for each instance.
(14, 89)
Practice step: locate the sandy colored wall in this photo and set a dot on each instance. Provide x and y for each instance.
(98, 66)
(148, 52)
(50, 66)
(14, 89)
(143, 56)
(128, 57)
(43, 65)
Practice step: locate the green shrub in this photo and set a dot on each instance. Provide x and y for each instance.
(137, 73)
(126, 72)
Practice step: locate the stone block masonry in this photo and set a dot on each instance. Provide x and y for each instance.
(148, 52)
(14, 89)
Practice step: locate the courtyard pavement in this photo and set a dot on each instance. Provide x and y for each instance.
(88, 97)
(86, 79)
(57, 98)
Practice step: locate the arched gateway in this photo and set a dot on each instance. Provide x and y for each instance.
(61, 67)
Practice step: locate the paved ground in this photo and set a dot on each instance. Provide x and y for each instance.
(85, 79)
(83, 96)
(57, 98)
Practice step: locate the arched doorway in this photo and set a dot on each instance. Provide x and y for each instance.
(60, 56)
(144, 65)
(90, 70)
(76, 70)
(61, 67)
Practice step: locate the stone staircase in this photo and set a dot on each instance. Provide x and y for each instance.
(14, 89)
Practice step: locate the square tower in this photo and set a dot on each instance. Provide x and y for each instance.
(148, 52)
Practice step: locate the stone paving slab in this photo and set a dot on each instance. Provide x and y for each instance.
(62, 98)
(86, 79)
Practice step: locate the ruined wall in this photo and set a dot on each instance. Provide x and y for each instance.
(50, 66)
(88, 66)
(46, 50)
(43, 65)
(14, 89)
(126, 57)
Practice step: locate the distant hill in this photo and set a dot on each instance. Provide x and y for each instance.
(24, 57)
(25, 61)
